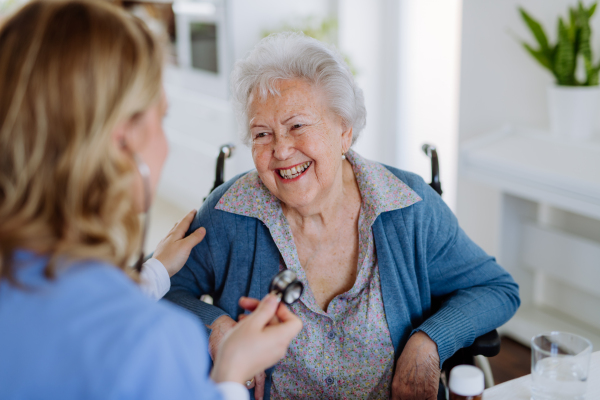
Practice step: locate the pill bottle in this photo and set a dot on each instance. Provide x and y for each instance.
(466, 383)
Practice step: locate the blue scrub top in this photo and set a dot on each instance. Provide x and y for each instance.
(90, 333)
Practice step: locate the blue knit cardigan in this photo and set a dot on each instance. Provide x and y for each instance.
(423, 257)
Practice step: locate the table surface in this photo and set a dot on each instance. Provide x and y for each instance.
(519, 389)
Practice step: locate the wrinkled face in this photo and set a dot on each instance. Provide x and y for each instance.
(297, 143)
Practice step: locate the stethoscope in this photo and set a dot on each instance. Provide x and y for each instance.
(286, 286)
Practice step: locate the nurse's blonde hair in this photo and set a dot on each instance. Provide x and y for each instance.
(70, 71)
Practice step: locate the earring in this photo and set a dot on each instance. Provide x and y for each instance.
(343, 156)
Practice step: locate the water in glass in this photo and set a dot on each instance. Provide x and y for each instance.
(555, 378)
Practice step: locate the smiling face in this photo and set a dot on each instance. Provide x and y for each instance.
(297, 144)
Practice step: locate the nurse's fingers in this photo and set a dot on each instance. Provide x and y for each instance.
(195, 237)
(183, 225)
(288, 327)
(284, 314)
(248, 304)
(265, 311)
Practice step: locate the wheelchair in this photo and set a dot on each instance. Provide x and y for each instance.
(484, 346)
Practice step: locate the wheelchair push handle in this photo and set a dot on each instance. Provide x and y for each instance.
(431, 152)
(225, 152)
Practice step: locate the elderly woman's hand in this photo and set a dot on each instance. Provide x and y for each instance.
(219, 329)
(417, 374)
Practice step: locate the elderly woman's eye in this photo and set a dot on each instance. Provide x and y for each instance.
(297, 126)
(260, 135)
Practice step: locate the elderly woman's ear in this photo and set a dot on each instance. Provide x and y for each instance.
(346, 139)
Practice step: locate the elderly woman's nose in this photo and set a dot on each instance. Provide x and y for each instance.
(283, 147)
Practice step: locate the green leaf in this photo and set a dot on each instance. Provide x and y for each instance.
(564, 60)
(584, 46)
(573, 25)
(585, 33)
(591, 10)
(536, 28)
(539, 55)
(593, 76)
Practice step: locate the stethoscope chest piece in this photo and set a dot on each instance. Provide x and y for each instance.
(287, 286)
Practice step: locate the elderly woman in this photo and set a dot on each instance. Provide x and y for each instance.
(373, 245)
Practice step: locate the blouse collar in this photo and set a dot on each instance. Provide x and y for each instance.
(380, 190)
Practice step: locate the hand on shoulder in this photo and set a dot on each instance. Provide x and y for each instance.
(174, 250)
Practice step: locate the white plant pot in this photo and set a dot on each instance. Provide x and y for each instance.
(573, 110)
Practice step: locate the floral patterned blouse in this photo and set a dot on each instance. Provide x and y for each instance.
(345, 352)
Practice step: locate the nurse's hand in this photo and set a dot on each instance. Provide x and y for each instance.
(174, 250)
(417, 374)
(219, 330)
(258, 383)
(256, 343)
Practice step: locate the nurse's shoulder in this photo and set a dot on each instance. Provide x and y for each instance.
(91, 333)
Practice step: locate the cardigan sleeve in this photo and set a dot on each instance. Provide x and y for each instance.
(477, 294)
(197, 277)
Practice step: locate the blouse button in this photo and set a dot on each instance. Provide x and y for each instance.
(329, 380)
(331, 334)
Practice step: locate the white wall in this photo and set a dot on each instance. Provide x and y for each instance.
(500, 83)
(249, 18)
(407, 56)
(428, 86)
(361, 36)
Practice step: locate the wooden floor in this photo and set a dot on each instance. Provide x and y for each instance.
(513, 361)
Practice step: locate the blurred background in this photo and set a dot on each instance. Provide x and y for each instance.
(452, 73)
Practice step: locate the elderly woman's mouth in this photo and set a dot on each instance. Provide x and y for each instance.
(295, 171)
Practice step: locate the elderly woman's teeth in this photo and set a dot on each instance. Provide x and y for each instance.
(294, 171)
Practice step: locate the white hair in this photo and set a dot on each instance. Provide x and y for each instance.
(292, 55)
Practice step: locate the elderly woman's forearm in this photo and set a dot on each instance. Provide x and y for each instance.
(470, 313)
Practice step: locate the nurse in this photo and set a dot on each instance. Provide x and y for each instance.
(81, 104)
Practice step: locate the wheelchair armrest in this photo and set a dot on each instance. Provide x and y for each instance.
(487, 345)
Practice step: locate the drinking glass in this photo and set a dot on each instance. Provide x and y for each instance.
(559, 366)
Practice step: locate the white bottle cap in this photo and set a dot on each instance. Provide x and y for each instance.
(466, 380)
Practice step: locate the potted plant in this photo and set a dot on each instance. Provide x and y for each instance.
(574, 99)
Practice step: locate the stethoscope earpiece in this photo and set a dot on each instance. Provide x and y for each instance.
(287, 287)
